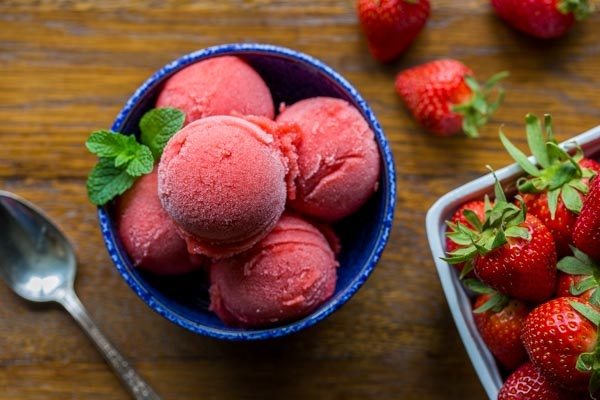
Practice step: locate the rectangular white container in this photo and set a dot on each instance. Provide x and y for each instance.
(457, 297)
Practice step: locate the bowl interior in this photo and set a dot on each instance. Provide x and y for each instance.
(184, 299)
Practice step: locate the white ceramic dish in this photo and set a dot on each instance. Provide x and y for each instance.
(457, 297)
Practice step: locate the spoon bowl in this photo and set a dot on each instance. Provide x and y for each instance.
(38, 263)
(36, 260)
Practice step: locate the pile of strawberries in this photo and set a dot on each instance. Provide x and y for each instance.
(532, 264)
(442, 95)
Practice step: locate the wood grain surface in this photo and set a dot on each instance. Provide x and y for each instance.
(66, 68)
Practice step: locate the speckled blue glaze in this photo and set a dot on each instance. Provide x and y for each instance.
(291, 76)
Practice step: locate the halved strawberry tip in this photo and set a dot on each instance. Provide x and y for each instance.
(477, 110)
(580, 8)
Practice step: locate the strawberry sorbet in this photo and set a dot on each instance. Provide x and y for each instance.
(286, 276)
(222, 180)
(217, 86)
(148, 233)
(338, 159)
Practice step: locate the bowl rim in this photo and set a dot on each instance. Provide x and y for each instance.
(388, 176)
(456, 296)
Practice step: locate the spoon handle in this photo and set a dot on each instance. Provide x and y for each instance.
(138, 388)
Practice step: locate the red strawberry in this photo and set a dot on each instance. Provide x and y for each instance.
(500, 326)
(445, 99)
(522, 268)
(565, 282)
(555, 189)
(391, 25)
(513, 252)
(544, 19)
(527, 383)
(475, 206)
(586, 234)
(560, 338)
(579, 277)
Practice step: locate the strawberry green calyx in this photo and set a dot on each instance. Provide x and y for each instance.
(484, 101)
(581, 264)
(495, 303)
(590, 361)
(580, 8)
(502, 221)
(558, 173)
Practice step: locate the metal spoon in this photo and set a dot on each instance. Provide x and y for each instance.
(38, 262)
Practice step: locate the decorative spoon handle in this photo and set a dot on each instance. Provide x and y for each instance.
(138, 388)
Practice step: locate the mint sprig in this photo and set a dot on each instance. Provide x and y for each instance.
(158, 126)
(122, 159)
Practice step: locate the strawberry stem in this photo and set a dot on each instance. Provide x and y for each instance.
(477, 110)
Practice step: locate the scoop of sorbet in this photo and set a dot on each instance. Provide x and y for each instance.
(222, 180)
(217, 86)
(148, 234)
(338, 158)
(286, 276)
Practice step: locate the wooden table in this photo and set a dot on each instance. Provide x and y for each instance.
(66, 67)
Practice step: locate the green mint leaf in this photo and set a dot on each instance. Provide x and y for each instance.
(105, 143)
(105, 182)
(142, 161)
(158, 126)
(535, 139)
(519, 156)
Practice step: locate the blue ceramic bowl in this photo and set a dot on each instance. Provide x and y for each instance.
(291, 76)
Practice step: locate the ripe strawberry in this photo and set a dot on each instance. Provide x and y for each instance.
(545, 19)
(391, 25)
(445, 99)
(527, 383)
(560, 337)
(579, 277)
(513, 252)
(476, 207)
(555, 189)
(586, 233)
(499, 321)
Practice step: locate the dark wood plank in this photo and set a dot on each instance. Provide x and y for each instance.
(68, 66)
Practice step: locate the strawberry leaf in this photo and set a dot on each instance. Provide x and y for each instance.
(588, 312)
(518, 232)
(476, 286)
(595, 298)
(552, 197)
(573, 266)
(496, 303)
(466, 269)
(519, 156)
(583, 286)
(549, 129)
(473, 219)
(535, 139)
(572, 199)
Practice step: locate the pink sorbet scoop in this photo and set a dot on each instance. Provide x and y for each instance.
(148, 234)
(286, 276)
(222, 180)
(217, 86)
(338, 159)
